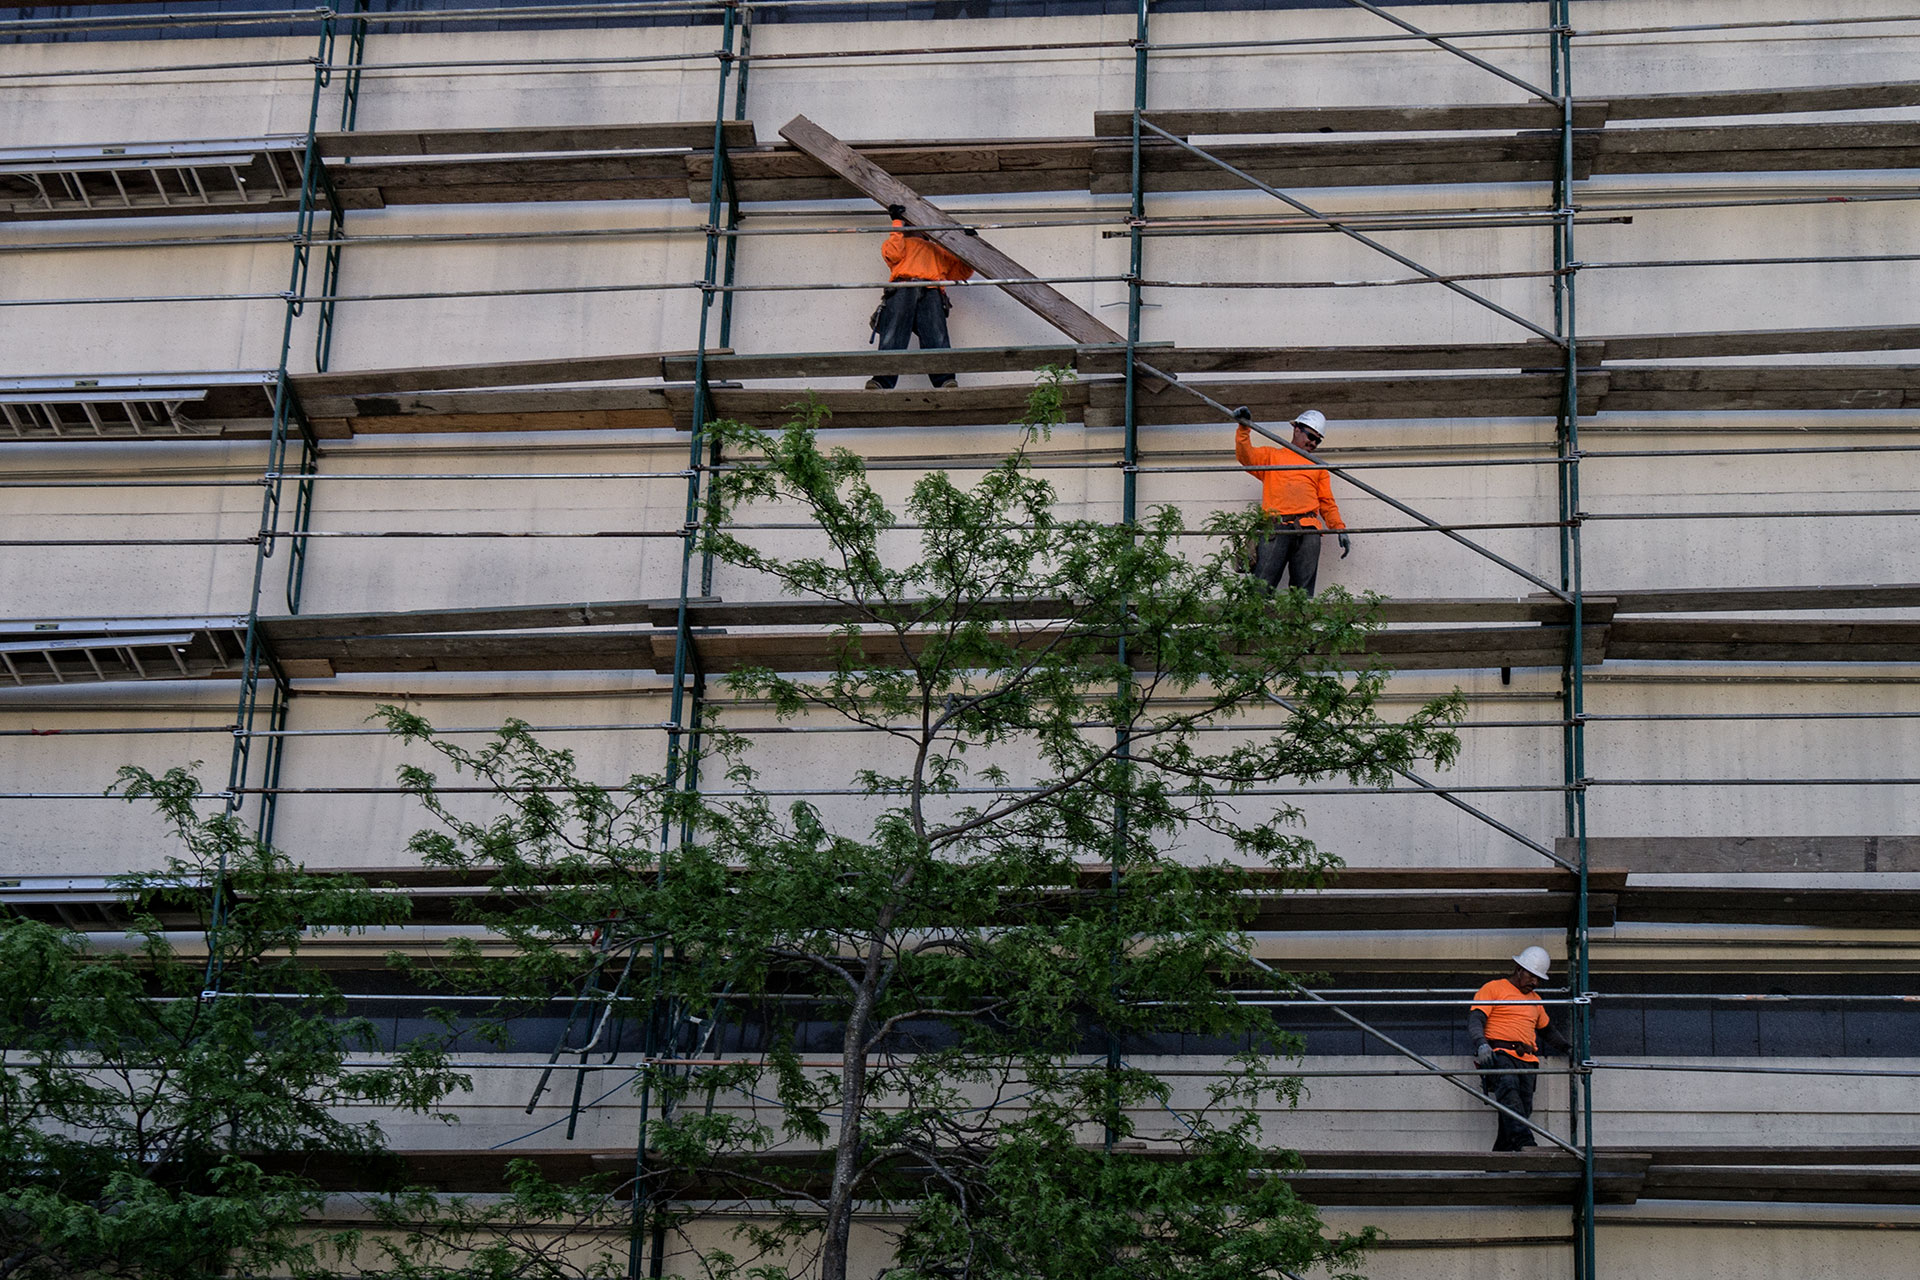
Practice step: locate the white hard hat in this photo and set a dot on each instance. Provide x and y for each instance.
(1536, 962)
(1314, 421)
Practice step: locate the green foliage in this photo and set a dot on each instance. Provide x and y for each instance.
(149, 1121)
(1068, 735)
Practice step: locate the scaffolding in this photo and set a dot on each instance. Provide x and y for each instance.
(1547, 371)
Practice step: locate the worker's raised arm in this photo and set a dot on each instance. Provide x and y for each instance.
(1244, 451)
(895, 247)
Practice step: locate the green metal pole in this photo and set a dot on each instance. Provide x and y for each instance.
(254, 656)
(336, 223)
(682, 649)
(1129, 486)
(1573, 752)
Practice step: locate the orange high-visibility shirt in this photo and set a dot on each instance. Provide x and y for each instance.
(918, 258)
(1289, 493)
(1514, 1023)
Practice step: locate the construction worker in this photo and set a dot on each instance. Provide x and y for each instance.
(1299, 504)
(920, 309)
(1507, 1026)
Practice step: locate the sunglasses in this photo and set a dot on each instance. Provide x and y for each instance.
(1313, 437)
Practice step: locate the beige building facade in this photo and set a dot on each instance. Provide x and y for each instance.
(312, 323)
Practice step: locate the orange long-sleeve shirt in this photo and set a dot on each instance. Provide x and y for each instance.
(1304, 493)
(918, 258)
(1513, 1023)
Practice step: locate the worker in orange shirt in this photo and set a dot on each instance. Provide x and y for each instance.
(1508, 1026)
(1297, 496)
(917, 309)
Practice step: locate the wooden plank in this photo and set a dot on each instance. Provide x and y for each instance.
(1397, 650)
(1773, 377)
(1043, 300)
(1764, 400)
(1701, 640)
(1536, 113)
(791, 613)
(1524, 609)
(1386, 153)
(455, 403)
(693, 134)
(1759, 342)
(1535, 354)
(1760, 161)
(664, 172)
(511, 373)
(537, 651)
(1282, 393)
(1754, 854)
(923, 161)
(1716, 599)
(752, 191)
(1307, 178)
(1749, 139)
(1183, 412)
(427, 191)
(842, 364)
(956, 168)
(1420, 912)
(554, 420)
(282, 632)
(908, 407)
(1755, 102)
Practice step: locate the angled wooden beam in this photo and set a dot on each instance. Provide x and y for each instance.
(1043, 300)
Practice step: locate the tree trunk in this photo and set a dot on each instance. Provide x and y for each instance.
(853, 1099)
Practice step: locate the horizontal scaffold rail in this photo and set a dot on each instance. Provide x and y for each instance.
(803, 636)
(1416, 382)
(1354, 900)
(1817, 1175)
(1517, 142)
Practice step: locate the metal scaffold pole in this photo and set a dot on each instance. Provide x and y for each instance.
(685, 706)
(306, 471)
(1129, 471)
(1573, 682)
(256, 662)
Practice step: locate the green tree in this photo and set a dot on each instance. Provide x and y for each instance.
(1065, 730)
(153, 1105)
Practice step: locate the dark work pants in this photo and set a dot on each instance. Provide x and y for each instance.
(1513, 1087)
(1288, 551)
(906, 312)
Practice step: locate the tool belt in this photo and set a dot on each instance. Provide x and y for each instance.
(1295, 521)
(1515, 1048)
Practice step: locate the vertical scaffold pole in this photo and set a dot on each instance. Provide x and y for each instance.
(255, 661)
(682, 709)
(309, 465)
(1129, 474)
(1573, 681)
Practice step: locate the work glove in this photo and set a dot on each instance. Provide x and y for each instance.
(1346, 544)
(898, 212)
(1243, 414)
(969, 231)
(1483, 1055)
